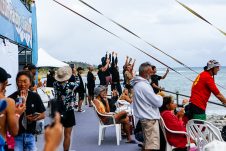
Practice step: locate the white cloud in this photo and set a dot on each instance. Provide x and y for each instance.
(163, 23)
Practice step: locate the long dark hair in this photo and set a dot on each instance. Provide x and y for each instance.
(166, 101)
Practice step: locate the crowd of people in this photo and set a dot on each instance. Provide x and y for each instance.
(20, 111)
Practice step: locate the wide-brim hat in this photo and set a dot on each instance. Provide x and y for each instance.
(99, 89)
(3, 105)
(212, 63)
(63, 74)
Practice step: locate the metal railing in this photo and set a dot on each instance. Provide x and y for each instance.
(177, 96)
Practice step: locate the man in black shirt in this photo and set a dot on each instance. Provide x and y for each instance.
(155, 79)
(80, 90)
(90, 85)
(50, 78)
(115, 74)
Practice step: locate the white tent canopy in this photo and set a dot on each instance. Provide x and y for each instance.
(45, 60)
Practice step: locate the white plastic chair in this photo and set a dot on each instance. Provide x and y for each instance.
(102, 126)
(170, 147)
(202, 132)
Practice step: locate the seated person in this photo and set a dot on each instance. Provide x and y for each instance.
(102, 105)
(125, 96)
(173, 122)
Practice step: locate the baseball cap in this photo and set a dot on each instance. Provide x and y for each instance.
(212, 63)
(4, 75)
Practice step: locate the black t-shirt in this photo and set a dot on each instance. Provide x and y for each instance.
(90, 80)
(50, 81)
(33, 104)
(115, 74)
(155, 79)
(80, 88)
(102, 78)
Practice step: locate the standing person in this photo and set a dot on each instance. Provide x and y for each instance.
(145, 106)
(32, 68)
(80, 90)
(114, 70)
(202, 87)
(35, 110)
(101, 72)
(90, 84)
(74, 78)
(50, 78)
(10, 113)
(65, 96)
(128, 77)
(155, 80)
(106, 72)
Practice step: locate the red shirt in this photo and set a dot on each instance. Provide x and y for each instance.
(201, 89)
(173, 123)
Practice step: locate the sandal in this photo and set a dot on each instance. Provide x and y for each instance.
(131, 142)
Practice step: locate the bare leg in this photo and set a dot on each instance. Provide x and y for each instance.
(90, 98)
(67, 138)
(80, 105)
(125, 123)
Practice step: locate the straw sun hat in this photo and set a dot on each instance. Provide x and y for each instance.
(63, 74)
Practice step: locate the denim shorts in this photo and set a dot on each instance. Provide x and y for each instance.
(25, 142)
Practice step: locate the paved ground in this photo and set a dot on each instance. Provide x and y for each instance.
(85, 136)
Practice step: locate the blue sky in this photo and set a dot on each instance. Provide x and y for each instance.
(164, 23)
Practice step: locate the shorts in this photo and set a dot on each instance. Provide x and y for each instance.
(91, 91)
(68, 119)
(109, 121)
(81, 96)
(151, 134)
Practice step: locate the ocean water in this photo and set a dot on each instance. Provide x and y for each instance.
(175, 82)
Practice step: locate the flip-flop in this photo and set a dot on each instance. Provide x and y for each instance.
(131, 142)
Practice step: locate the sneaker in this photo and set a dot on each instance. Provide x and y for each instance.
(81, 110)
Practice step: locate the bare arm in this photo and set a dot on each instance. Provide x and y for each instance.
(106, 66)
(164, 76)
(221, 98)
(155, 86)
(107, 105)
(12, 119)
(53, 135)
(36, 117)
(126, 63)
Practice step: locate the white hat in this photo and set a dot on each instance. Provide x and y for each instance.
(63, 74)
(212, 63)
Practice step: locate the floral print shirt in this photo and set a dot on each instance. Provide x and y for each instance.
(65, 92)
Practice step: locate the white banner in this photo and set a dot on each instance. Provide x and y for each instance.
(9, 61)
